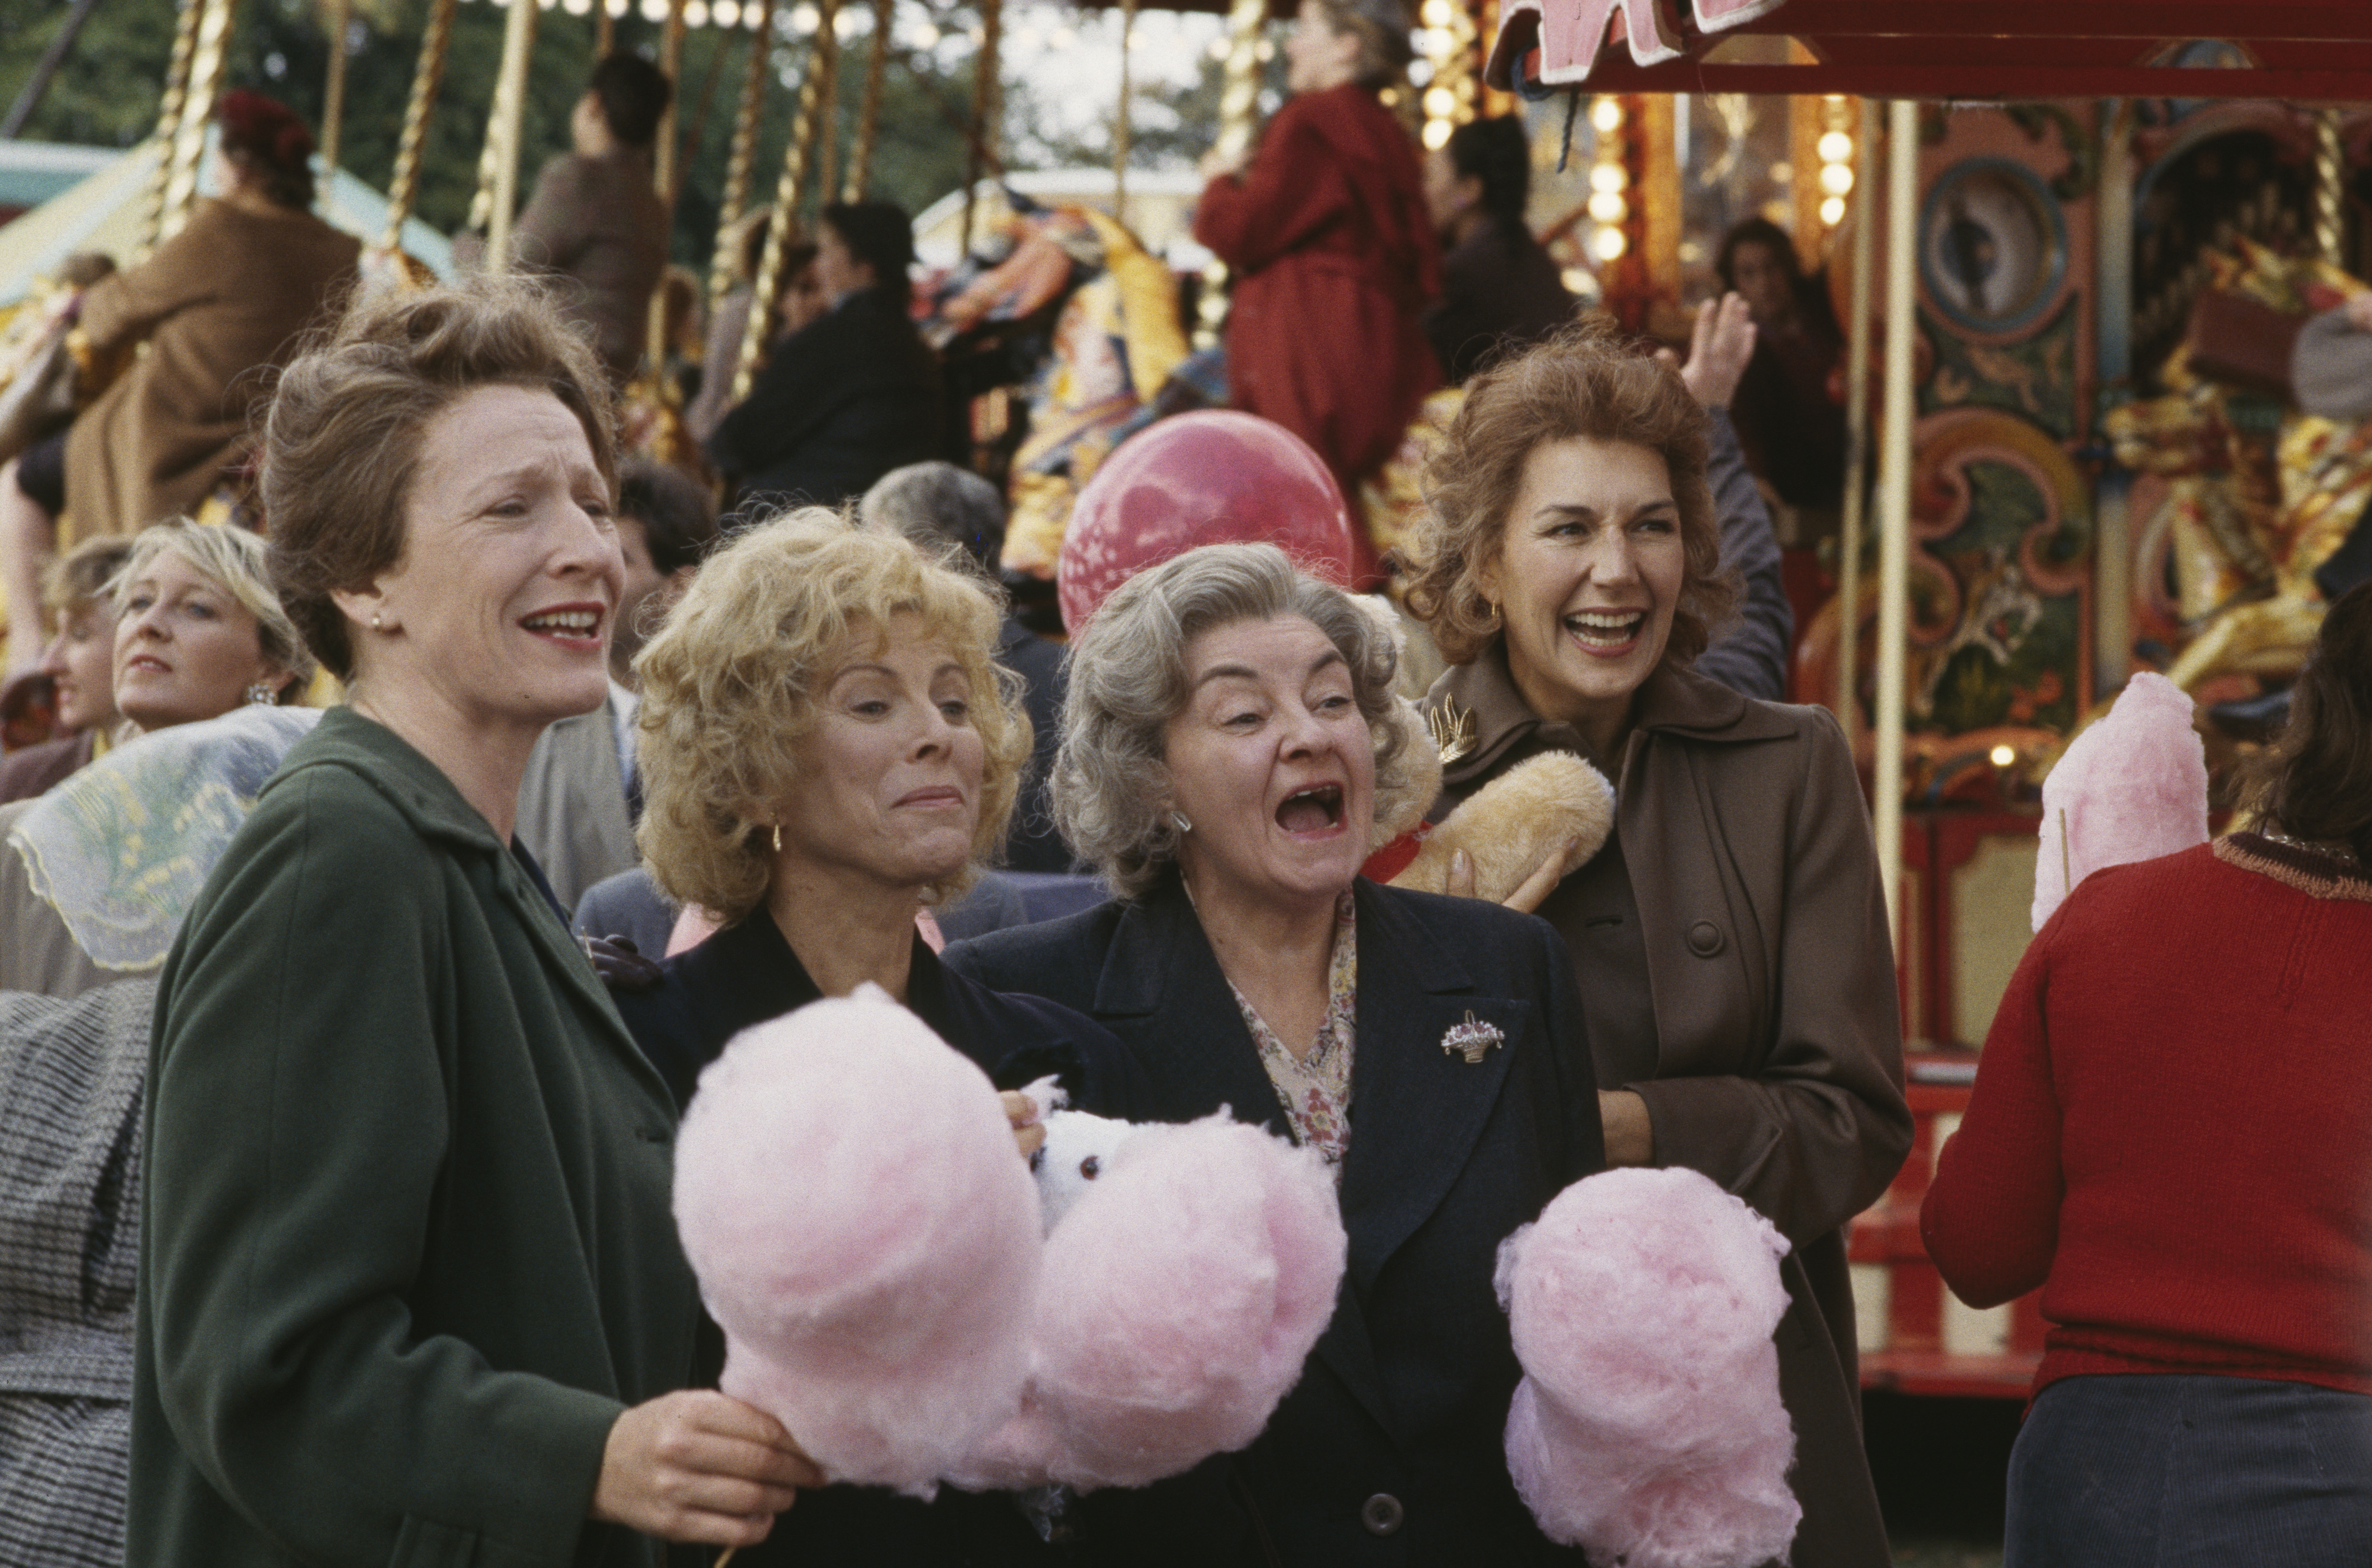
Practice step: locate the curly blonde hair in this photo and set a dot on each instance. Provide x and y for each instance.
(729, 687)
(1129, 678)
(1587, 381)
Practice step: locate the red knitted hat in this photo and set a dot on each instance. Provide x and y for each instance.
(265, 129)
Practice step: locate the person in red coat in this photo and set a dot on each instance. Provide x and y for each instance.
(1334, 259)
(2171, 1135)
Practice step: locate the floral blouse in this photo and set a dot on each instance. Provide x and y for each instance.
(1315, 1092)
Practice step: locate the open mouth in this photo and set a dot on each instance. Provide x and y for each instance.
(1607, 631)
(568, 623)
(1317, 809)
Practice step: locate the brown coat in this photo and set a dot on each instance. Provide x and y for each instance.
(219, 304)
(1779, 1051)
(598, 225)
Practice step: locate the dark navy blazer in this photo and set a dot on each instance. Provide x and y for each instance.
(1389, 1449)
(746, 974)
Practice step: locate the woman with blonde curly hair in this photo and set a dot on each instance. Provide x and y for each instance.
(828, 747)
(1232, 750)
(1730, 941)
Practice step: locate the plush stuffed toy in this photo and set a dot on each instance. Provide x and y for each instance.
(898, 1291)
(2132, 787)
(1647, 1429)
(1509, 826)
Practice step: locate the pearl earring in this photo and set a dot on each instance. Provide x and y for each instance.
(375, 625)
(259, 695)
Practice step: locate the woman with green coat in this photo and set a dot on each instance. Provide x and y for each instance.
(410, 1292)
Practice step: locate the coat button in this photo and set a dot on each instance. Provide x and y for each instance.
(1705, 939)
(1381, 1513)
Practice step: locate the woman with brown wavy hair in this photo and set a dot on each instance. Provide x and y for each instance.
(1730, 940)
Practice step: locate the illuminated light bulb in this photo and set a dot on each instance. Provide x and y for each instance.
(654, 10)
(926, 36)
(1607, 114)
(1266, 51)
(726, 13)
(1832, 211)
(1436, 14)
(845, 23)
(576, 8)
(695, 13)
(1836, 178)
(1438, 42)
(545, 4)
(1219, 49)
(1065, 39)
(1608, 244)
(1607, 206)
(1389, 98)
(805, 18)
(2003, 756)
(1608, 177)
(1441, 103)
(1836, 147)
(618, 7)
(1436, 134)
(1576, 281)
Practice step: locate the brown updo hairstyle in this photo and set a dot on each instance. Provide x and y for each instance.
(342, 437)
(2315, 780)
(1586, 381)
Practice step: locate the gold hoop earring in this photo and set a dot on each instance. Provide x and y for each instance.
(1495, 618)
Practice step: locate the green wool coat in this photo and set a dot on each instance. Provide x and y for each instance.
(408, 1248)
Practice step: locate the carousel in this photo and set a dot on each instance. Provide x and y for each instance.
(2066, 245)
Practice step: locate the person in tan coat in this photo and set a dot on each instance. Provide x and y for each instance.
(220, 305)
(1736, 969)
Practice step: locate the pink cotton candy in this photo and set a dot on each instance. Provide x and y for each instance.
(1647, 1429)
(2132, 787)
(1182, 1291)
(864, 1230)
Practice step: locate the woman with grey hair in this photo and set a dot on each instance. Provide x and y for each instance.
(1232, 749)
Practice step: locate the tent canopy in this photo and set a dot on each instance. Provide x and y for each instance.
(2317, 50)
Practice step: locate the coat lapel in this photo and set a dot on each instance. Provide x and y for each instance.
(1417, 1110)
(1162, 984)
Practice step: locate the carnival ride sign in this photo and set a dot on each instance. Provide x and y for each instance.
(1571, 32)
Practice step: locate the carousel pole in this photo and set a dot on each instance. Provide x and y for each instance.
(744, 152)
(790, 191)
(663, 175)
(827, 143)
(404, 185)
(2330, 189)
(498, 169)
(1238, 106)
(1856, 498)
(984, 112)
(868, 113)
(168, 118)
(1122, 125)
(197, 113)
(1894, 495)
(605, 28)
(333, 93)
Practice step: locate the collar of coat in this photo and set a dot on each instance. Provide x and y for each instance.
(1673, 700)
(409, 782)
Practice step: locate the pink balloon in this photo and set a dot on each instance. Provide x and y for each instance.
(1213, 477)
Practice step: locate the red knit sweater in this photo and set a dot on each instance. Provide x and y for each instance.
(2171, 1129)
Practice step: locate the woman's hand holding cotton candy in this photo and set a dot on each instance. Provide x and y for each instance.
(1530, 895)
(702, 1467)
(1022, 1112)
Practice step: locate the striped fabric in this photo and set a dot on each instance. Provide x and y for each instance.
(70, 1093)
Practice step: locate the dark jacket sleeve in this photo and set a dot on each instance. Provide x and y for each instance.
(1813, 1136)
(296, 1146)
(1750, 655)
(803, 378)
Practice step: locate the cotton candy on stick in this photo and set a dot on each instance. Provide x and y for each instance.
(2132, 787)
(1647, 1429)
(848, 1192)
